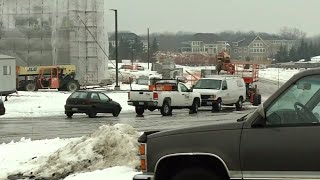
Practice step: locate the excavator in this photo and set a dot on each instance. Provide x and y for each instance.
(61, 77)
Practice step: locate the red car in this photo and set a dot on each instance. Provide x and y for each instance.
(2, 109)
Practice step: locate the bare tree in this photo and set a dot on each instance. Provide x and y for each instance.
(292, 33)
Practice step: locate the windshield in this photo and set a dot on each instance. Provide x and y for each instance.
(208, 84)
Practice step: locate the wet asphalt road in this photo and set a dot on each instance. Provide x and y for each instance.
(79, 125)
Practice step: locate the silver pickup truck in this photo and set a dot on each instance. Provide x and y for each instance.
(279, 140)
(177, 97)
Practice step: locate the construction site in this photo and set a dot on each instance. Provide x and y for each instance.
(57, 32)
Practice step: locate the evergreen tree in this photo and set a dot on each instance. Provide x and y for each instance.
(154, 49)
(137, 48)
(282, 55)
(155, 46)
(124, 49)
(293, 54)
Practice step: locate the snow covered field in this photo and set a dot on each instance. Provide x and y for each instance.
(108, 153)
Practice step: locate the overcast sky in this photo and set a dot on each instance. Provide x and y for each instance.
(215, 15)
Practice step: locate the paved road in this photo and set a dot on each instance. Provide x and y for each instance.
(79, 125)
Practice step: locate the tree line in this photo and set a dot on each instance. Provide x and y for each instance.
(129, 49)
(306, 49)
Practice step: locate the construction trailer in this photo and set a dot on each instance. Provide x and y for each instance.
(7, 75)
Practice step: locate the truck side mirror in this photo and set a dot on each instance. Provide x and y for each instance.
(261, 120)
(224, 87)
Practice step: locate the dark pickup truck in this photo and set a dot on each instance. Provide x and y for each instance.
(279, 140)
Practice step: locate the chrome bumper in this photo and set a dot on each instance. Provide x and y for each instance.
(143, 177)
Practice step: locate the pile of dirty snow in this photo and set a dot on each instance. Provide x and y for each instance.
(109, 146)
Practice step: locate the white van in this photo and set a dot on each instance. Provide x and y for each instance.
(221, 90)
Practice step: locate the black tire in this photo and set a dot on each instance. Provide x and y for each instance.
(195, 106)
(216, 106)
(239, 104)
(166, 109)
(151, 109)
(196, 173)
(92, 113)
(139, 110)
(31, 86)
(69, 114)
(73, 86)
(116, 112)
(256, 99)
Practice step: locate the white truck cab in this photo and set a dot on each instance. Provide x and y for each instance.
(221, 90)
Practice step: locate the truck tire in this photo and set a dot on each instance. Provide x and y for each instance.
(166, 109)
(256, 99)
(73, 86)
(31, 86)
(195, 106)
(216, 107)
(196, 173)
(139, 110)
(239, 104)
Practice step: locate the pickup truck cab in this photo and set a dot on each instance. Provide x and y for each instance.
(165, 95)
(221, 90)
(279, 140)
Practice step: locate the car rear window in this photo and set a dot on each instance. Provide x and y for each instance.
(79, 95)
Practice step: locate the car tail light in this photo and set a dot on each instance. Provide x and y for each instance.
(128, 95)
(155, 96)
(143, 157)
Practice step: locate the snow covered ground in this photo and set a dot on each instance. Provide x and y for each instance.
(108, 153)
(276, 74)
(36, 104)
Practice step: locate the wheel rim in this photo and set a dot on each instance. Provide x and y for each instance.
(197, 106)
(240, 103)
(72, 87)
(219, 105)
(166, 109)
(30, 87)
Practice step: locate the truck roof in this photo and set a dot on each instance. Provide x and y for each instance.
(222, 77)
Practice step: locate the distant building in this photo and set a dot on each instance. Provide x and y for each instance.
(207, 43)
(256, 48)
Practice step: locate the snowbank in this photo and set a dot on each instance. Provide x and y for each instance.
(109, 146)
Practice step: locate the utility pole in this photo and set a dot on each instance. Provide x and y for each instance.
(148, 48)
(117, 87)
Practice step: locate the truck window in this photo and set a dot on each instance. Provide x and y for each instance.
(208, 84)
(224, 85)
(298, 104)
(183, 88)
